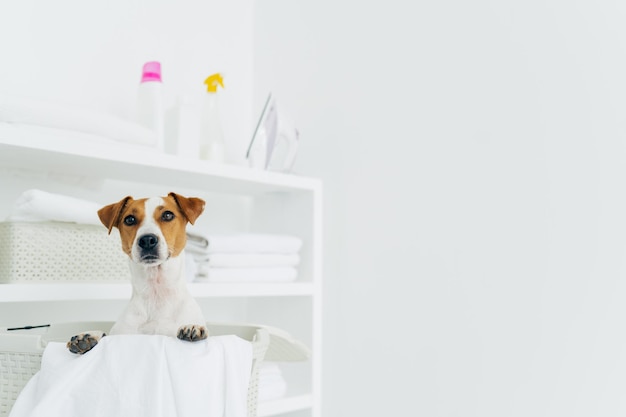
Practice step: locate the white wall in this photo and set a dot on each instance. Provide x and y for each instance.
(91, 54)
(473, 156)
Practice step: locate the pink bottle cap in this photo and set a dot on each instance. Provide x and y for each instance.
(151, 72)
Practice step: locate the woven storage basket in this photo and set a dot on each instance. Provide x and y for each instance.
(20, 355)
(48, 252)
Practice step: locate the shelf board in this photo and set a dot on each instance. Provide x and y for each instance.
(22, 149)
(284, 405)
(122, 291)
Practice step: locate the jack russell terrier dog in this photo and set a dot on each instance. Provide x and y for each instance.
(153, 236)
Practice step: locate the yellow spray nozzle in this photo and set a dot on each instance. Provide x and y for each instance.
(212, 81)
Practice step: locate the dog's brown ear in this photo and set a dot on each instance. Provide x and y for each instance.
(109, 215)
(191, 207)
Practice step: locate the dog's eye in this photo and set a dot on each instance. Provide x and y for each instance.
(130, 220)
(167, 216)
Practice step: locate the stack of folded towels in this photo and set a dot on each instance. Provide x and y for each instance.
(272, 383)
(242, 257)
(34, 117)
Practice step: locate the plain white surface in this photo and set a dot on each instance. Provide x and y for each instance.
(473, 156)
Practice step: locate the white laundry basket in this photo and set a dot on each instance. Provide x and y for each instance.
(21, 352)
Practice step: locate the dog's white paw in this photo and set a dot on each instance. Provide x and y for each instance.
(192, 333)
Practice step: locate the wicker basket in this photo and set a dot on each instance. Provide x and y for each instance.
(49, 252)
(20, 355)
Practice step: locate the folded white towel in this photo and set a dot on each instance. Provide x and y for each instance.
(284, 274)
(254, 243)
(201, 243)
(39, 206)
(26, 111)
(247, 260)
(141, 375)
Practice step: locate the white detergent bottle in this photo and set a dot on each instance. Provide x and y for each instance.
(149, 111)
(211, 134)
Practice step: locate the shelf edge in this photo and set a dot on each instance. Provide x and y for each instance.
(122, 291)
(123, 155)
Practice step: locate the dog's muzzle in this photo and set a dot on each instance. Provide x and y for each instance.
(149, 244)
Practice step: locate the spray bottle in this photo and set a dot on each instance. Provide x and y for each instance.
(212, 136)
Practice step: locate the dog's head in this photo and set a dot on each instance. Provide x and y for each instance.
(152, 229)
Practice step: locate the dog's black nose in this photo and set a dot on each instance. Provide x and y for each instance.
(148, 241)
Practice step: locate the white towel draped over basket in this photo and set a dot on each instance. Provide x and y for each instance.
(138, 372)
(141, 375)
(143, 370)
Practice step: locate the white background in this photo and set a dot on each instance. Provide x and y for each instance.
(473, 157)
(474, 163)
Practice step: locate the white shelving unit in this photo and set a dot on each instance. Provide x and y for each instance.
(273, 202)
